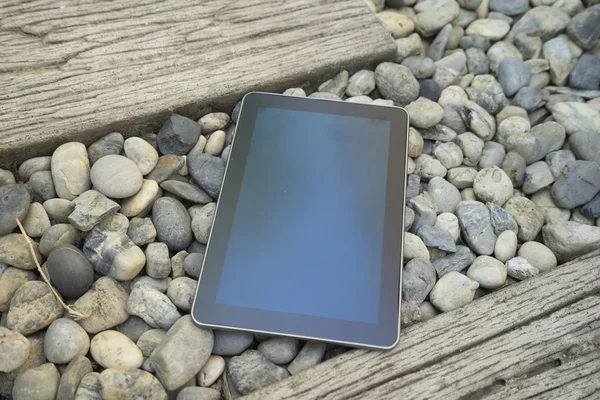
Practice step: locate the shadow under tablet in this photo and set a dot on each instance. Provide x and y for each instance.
(308, 232)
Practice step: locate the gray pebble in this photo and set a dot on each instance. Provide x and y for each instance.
(109, 144)
(542, 21)
(65, 340)
(178, 135)
(558, 160)
(152, 306)
(70, 170)
(42, 184)
(458, 261)
(478, 120)
(72, 376)
(177, 260)
(158, 264)
(480, 42)
(586, 146)
(519, 268)
(577, 117)
(577, 184)
(6, 177)
(584, 28)
(528, 216)
(166, 166)
(509, 7)
(514, 166)
(538, 255)
(141, 153)
(452, 291)
(141, 231)
(70, 271)
(32, 308)
(418, 278)
(585, 74)
(413, 186)
(58, 210)
(336, 85)
(15, 251)
(437, 238)
(193, 264)
(529, 46)
(214, 121)
(89, 387)
(592, 208)
(477, 62)
(105, 304)
(149, 340)
(569, 240)
(181, 291)
(172, 223)
(488, 272)
(492, 155)
(501, 219)
(324, 95)
(14, 350)
(529, 97)
(36, 222)
(435, 15)
(14, 203)
(396, 82)
(252, 370)
(445, 195)
(186, 191)
(513, 74)
(425, 211)
(159, 284)
(198, 393)
(493, 185)
(11, 280)
(230, 343)
(424, 113)
(437, 47)
(464, 18)
(207, 171)
(506, 246)
(422, 68)
(409, 217)
(116, 176)
(133, 328)
(40, 383)
(476, 226)
(450, 69)
(114, 382)
(202, 222)
(310, 355)
(297, 92)
(537, 176)
(280, 350)
(33, 165)
(361, 83)
(462, 177)
(429, 89)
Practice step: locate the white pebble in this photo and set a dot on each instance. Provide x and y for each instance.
(112, 349)
(506, 246)
(488, 272)
(538, 255)
(452, 291)
(414, 247)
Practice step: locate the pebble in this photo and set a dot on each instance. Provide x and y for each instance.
(529, 97)
(584, 28)
(168, 165)
(457, 261)
(310, 355)
(510, 127)
(492, 29)
(118, 383)
(478, 120)
(480, 42)
(538, 255)
(450, 69)
(577, 184)
(36, 222)
(178, 135)
(418, 278)
(424, 113)
(280, 350)
(436, 238)
(448, 222)
(586, 146)
(10, 281)
(15, 251)
(39, 383)
(89, 388)
(558, 160)
(527, 215)
(519, 268)
(172, 223)
(488, 272)
(116, 176)
(33, 165)
(141, 202)
(509, 7)
(14, 203)
(152, 306)
(58, 210)
(462, 177)
(582, 219)
(133, 328)
(182, 291)
(537, 176)
(141, 153)
(198, 393)
(207, 171)
(397, 83)
(141, 231)
(415, 143)
(70, 170)
(215, 143)
(444, 194)
(32, 308)
(545, 22)
(471, 146)
(506, 246)
(493, 185)
(337, 85)
(182, 353)
(453, 290)
(476, 226)
(112, 349)
(500, 51)
(177, 264)
(501, 219)
(449, 154)
(35, 358)
(439, 132)
(425, 211)
(577, 117)
(492, 156)
(227, 149)
(477, 62)
(429, 89)
(361, 83)
(202, 222)
(105, 305)
(437, 47)
(64, 341)
(396, 24)
(252, 370)
(193, 264)
(428, 311)
(109, 144)
(90, 208)
(585, 75)
(513, 74)
(72, 377)
(70, 271)
(158, 264)
(14, 349)
(559, 53)
(547, 137)
(186, 191)
(214, 121)
(428, 167)
(592, 208)
(430, 21)
(230, 343)
(569, 240)
(42, 184)
(514, 166)
(149, 340)
(6, 177)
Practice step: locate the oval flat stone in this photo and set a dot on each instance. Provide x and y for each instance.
(70, 271)
(186, 191)
(14, 203)
(65, 340)
(57, 235)
(207, 171)
(172, 223)
(59, 210)
(141, 153)
(112, 349)
(142, 200)
(33, 165)
(178, 135)
(70, 170)
(116, 176)
(109, 144)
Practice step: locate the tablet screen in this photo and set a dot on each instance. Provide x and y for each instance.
(307, 232)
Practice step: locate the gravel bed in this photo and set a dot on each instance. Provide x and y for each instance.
(503, 185)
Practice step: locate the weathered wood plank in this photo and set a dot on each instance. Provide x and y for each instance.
(80, 69)
(450, 336)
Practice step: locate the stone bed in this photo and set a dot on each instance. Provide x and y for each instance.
(503, 185)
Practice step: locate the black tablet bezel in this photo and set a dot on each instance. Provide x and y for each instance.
(383, 335)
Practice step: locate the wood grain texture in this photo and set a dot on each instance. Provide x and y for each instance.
(78, 69)
(535, 339)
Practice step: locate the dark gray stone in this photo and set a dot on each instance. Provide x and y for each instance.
(509, 7)
(14, 203)
(586, 74)
(529, 46)
(430, 89)
(413, 186)
(109, 144)
(586, 145)
(513, 74)
(418, 278)
(89, 387)
(578, 183)
(477, 62)
(193, 264)
(252, 370)
(501, 219)
(173, 223)
(70, 271)
(178, 135)
(397, 83)
(133, 328)
(514, 165)
(437, 47)
(438, 132)
(207, 171)
(42, 184)
(457, 261)
(476, 225)
(187, 191)
(72, 376)
(584, 28)
(437, 237)
(528, 97)
(421, 67)
(592, 208)
(230, 343)
(196, 247)
(480, 42)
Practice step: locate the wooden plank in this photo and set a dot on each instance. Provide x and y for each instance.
(360, 373)
(80, 69)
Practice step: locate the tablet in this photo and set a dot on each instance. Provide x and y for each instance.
(308, 231)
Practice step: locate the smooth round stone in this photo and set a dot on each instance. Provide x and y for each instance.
(310, 355)
(14, 350)
(397, 83)
(477, 62)
(42, 184)
(65, 340)
(33, 165)
(529, 217)
(116, 176)
(506, 246)
(70, 271)
(414, 248)
(558, 160)
(471, 146)
(529, 97)
(280, 350)
(211, 371)
(202, 222)
(488, 272)
(424, 113)
(193, 264)
(542, 21)
(39, 383)
(519, 268)
(149, 340)
(141, 153)
(116, 383)
(70, 170)
(476, 226)
(577, 184)
(431, 20)
(492, 29)
(105, 304)
(58, 210)
(583, 28)
(72, 376)
(229, 343)
(198, 393)
(510, 111)
(513, 74)
(444, 194)
(493, 185)
(585, 75)
(141, 231)
(449, 154)
(453, 290)
(14, 203)
(448, 222)
(32, 308)
(215, 143)
(158, 264)
(172, 223)
(429, 89)
(478, 120)
(6, 177)
(112, 349)
(159, 284)
(538, 255)
(361, 83)
(214, 122)
(182, 291)
(418, 278)
(510, 127)
(207, 171)
(396, 24)
(577, 117)
(415, 143)
(109, 144)
(15, 251)
(178, 135)
(422, 68)
(336, 85)
(133, 328)
(252, 370)
(537, 176)
(36, 222)
(586, 146)
(428, 167)
(186, 191)
(142, 200)
(10, 281)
